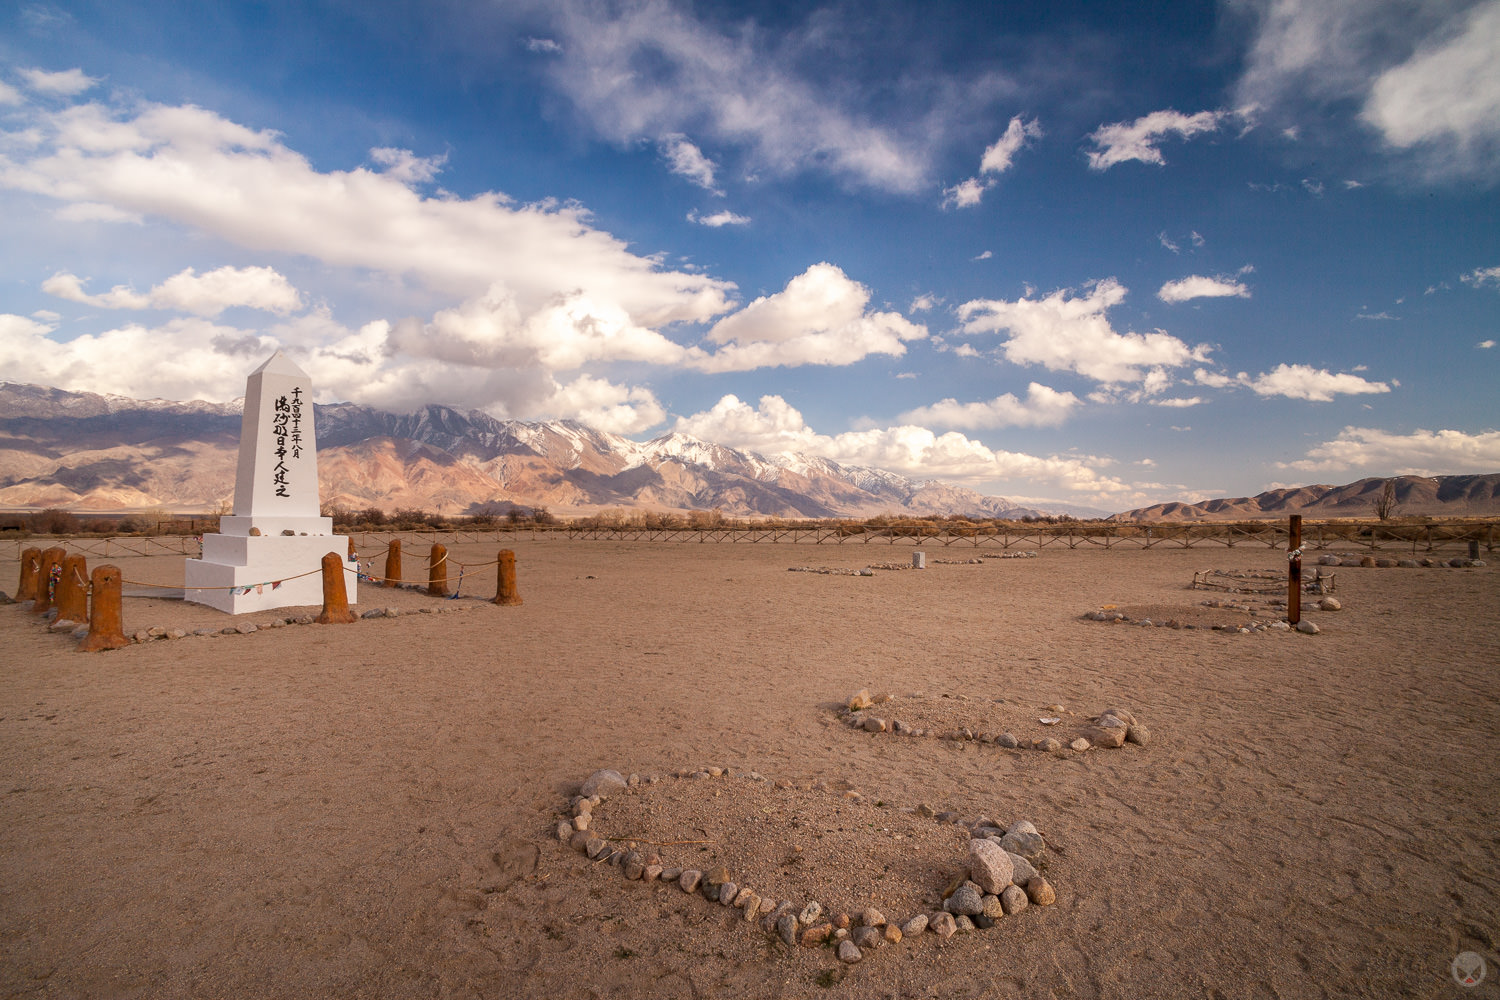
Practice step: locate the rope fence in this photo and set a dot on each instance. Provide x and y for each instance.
(52, 581)
(359, 571)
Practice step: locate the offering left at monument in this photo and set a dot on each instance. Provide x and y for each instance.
(275, 533)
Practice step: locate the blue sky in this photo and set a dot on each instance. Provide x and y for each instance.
(1066, 251)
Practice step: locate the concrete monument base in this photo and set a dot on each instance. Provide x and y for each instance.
(254, 564)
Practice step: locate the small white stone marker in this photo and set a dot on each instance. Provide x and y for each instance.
(275, 532)
(919, 560)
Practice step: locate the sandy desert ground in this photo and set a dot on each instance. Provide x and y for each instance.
(370, 810)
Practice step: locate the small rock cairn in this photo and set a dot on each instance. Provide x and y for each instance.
(1002, 877)
(1111, 729)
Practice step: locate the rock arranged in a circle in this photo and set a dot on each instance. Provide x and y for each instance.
(1223, 616)
(1004, 724)
(799, 862)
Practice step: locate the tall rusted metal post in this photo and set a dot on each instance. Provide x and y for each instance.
(1294, 570)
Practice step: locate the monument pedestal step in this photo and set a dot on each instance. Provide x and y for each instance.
(240, 574)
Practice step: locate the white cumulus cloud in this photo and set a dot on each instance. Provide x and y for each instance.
(1065, 332)
(964, 194)
(406, 166)
(493, 331)
(206, 294)
(686, 160)
(1306, 382)
(719, 219)
(774, 427)
(1481, 277)
(539, 291)
(996, 160)
(1419, 453)
(193, 358)
(183, 359)
(820, 318)
(1198, 286)
(1122, 142)
(192, 167)
(1042, 407)
(66, 83)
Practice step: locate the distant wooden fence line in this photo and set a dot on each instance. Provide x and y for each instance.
(109, 546)
(1076, 535)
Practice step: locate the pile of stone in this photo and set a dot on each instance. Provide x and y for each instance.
(1109, 730)
(1014, 555)
(1386, 562)
(1001, 878)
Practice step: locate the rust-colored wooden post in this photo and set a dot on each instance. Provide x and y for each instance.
(73, 590)
(106, 630)
(437, 570)
(353, 556)
(393, 564)
(1294, 570)
(335, 595)
(31, 563)
(505, 580)
(46, 579)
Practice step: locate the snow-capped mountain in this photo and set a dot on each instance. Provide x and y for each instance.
(87, 451)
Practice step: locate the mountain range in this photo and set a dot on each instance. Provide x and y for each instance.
(85, 451)
(90, 452)
(1416, 496)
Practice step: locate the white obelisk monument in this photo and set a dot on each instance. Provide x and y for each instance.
(275, 532)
